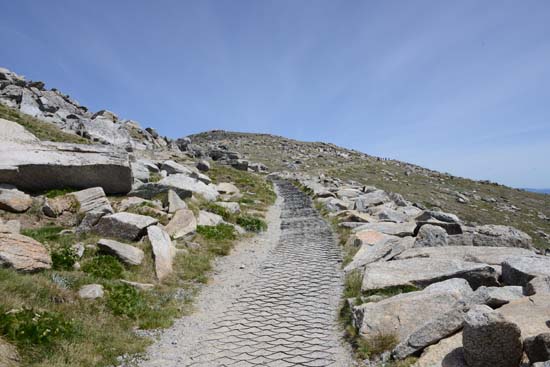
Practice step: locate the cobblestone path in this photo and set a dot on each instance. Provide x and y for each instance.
(287, 315)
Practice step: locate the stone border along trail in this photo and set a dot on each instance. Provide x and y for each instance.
(272, 302)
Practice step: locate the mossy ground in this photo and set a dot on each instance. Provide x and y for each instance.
(96, 332)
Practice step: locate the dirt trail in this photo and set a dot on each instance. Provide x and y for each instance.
(272, 302)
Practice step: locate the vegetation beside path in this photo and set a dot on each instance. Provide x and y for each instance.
(42, 315)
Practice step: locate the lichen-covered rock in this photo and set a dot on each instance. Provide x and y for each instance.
(23, 253)
(175, 203)
(501, 236)
(537, 348)
(431, 236)
(489, 339)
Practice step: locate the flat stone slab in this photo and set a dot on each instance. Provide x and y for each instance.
(384, 249)
(425, 271)
(447, 353)
(38, 166)
(487, 255)
(124, 225)
(403, 314)
(391, 228)
(23, 253)
(520, 270)
(531, 314)
(128, 254)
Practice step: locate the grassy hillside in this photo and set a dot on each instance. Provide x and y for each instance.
(41, 129)
(484, 202)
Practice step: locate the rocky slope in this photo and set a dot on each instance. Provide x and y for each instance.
(476, 202)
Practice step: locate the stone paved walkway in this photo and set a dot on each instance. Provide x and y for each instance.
(287, 314)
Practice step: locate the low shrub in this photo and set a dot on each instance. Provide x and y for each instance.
(104, 266)
(252, 224)
(27, 326)
(125, 300)
(64, 258)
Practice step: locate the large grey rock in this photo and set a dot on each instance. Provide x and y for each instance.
(208, 219)
(14, 200)
(541, 364)
(37, 166)
(428, 215)
(172, 167)
(93, 200)
(446, 324)
(495, 297)
(395, 229)
(163, 251)
(123, 225)
(436, 328)
(375, 198)
(537, 348)
(520, 270)
(446, 353)
(10, 226)
(421, 272)
(128, 254)
(487, 255)
(537, 285)
(23, 253)
(531, 314)
(182, 223)
(367, 237)
(181, 184)
(501, 236)
(91, 291)
(385, 249)
(431, 236)
(403, 314)
(175, 203)
(489, 339)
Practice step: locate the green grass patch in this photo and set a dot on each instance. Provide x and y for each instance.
(41, 129)
(219, 210)
(220, 232)
(251, 224)
(32, 327)
(103, 266)
(50, 194)
(352, 284)
(391, 291)
(64, 258)
(126, 300)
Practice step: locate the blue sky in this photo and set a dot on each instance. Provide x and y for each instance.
(461, 87)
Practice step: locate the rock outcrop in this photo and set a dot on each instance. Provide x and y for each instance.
(32, 165)
(23, 253)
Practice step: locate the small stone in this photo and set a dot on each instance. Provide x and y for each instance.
(14, 200)
(91, 291)
(128, 254)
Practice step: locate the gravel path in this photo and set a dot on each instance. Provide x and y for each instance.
(272, 302)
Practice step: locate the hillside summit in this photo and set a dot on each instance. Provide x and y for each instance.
(109, 232)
